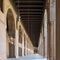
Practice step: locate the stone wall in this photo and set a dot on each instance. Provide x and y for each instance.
(2, 37)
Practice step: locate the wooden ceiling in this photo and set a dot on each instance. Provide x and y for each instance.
(31, 12)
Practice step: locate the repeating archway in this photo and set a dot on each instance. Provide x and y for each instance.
(10, 30)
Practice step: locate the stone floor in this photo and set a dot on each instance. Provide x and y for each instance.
(29, 57)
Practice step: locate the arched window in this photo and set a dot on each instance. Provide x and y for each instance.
(1, 5)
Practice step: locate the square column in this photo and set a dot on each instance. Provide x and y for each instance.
(53, 28)
(22, 44)
(26, 46)
(16, 44)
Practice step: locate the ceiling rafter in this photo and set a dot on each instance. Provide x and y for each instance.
(31, 12)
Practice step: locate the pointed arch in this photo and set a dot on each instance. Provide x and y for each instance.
(10, 31)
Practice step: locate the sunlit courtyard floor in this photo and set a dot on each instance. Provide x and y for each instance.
(29, 57)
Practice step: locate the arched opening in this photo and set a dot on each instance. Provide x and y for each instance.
(10, 31)
(20, 35)
(1, 5)
(24, 44)
(20, 41)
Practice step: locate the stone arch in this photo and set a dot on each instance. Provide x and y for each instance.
(10, 31)
(10, 24)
